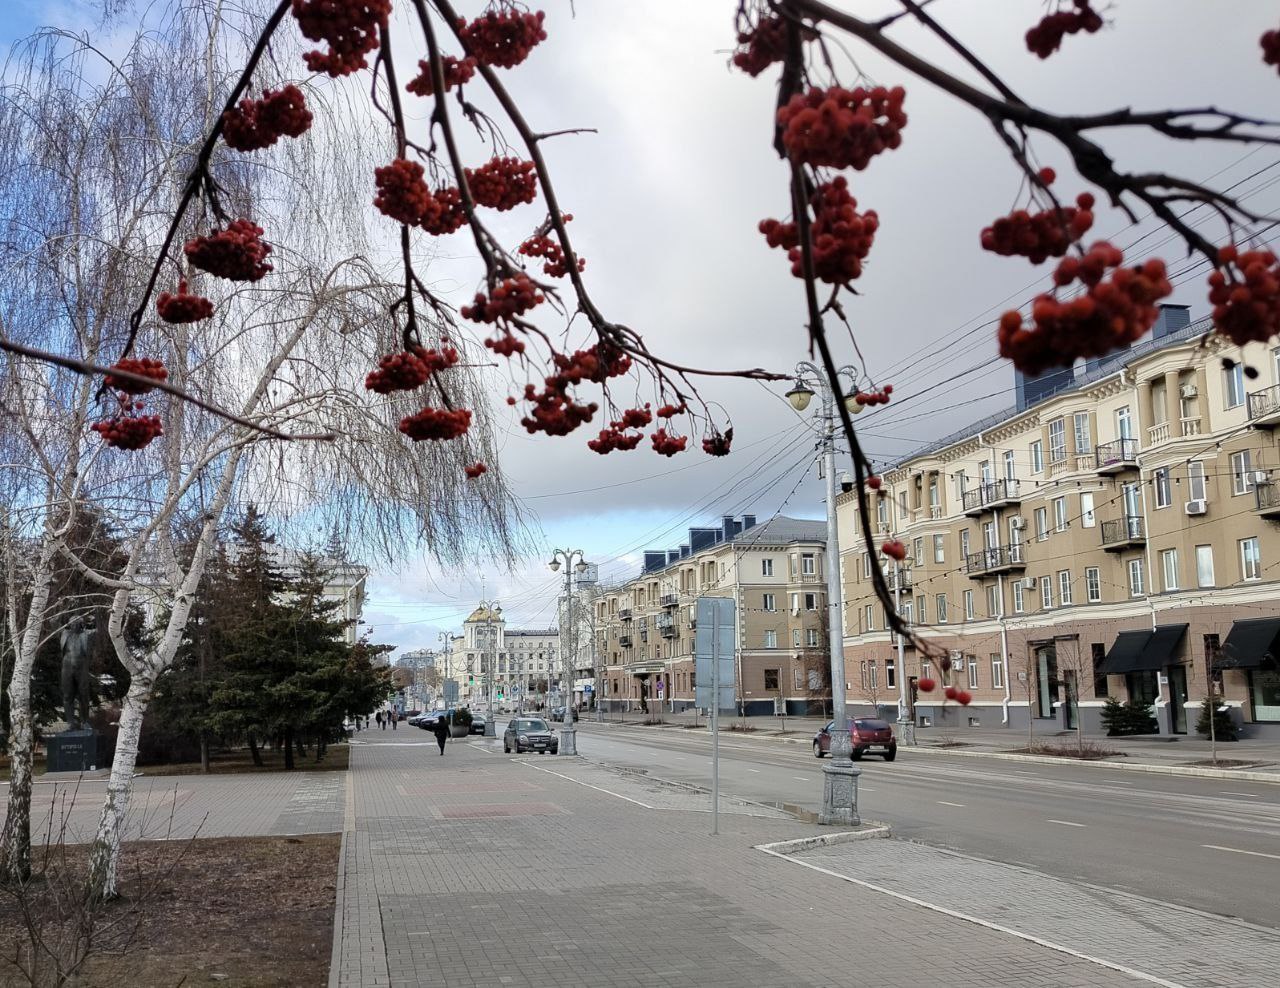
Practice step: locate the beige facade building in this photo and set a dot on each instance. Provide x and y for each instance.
(1114, 535)
(522, 661)
(645, 628)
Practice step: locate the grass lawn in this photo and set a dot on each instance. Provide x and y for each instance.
(336, 759)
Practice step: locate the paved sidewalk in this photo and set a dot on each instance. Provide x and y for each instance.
(487, 870)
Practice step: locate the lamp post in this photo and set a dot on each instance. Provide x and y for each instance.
(573, 561)
(492, 612)
(840, 775)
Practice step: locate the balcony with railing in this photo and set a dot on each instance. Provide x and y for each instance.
(1158, 433)
(1190, 425)
(898, 574)
(1264, 407)
(625, 641)
(1116, 456)
(669, 599)
(1119, 534)
(624, 614)
(997, 559)
(1266, 500)
(991, 495)
(1059, 463)
(667, 625)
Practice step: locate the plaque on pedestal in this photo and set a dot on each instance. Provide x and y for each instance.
(74, 751)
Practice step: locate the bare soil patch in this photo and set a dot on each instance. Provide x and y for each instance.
(233, 912)
(336, 759)
(1225, 763)
(1089, 752)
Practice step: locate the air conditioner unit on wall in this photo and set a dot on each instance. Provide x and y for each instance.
(1197, 507)
(1188, 391)
(1260, 477)
(1018, 523)
(1028, 583)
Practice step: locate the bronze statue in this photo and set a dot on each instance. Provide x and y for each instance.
(76, 641)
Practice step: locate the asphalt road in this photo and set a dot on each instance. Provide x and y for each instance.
(1211, 844)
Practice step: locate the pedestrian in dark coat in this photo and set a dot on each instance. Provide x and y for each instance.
(441, 730)
(380, 721)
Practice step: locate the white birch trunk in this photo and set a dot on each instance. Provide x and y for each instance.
(104, 859)
(15, 841)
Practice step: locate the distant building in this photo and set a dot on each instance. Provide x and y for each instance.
(522, 662)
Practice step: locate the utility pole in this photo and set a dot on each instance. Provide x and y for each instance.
(573, 561)
(840, 775)
(492, 612)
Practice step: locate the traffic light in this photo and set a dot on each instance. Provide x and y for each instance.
(471, 680)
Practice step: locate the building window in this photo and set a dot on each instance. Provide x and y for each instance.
(997, 672)
(811, 602)
(1046, 592)
(971, 665)
(864, 675)
(962, 481)
(1195, 480)
(940, 605)
(1160, 481)
(882, 512)
(917, 550)
(939, 548)
(811, 636)
(1084, 441)
(795, 637)
(1042, 524)
(1059, 514)
(1064, 587)
(1240, 470)
(1099, 653)
(1233, 384)
(869, 619)
(1019, 604)
(1212, 654)
(1010, 468)
(770, 602)
(920, 610)
(1087, 518)
(902, 505)
(964, 543)
(907, 609)
(1204, 566)
(866, 565)
(924, 670)
(1136, 588)
(808, 564)
(1037, 456)
(1169, 568)
(1124, 423)
(935, 498)
(770, 639)
(890, 673)
(771, 679)
(766, 567)
(1250, 559)
(875, 675)
(993, 600)
(968, 605)
(1093, 585)
(1057, 441)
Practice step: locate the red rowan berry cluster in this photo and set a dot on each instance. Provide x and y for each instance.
(1270, 42)
(402, 193)
(127, 429)
(670, 411)
(142, 366)
(541, 245)
(436, 423)
(503, 183)
(841, 236)
(926, 685)
(873, 398)
(553, 411)
(874, 482)
(760, 47)
(511, 297)
(456, 72)
(668, 444)
(1245, 294)
(443, 213)
(778, 234)
(505, 345)
(597, 363)
(1046, 37)
(962, 697)
(718, 443)
(1112, 313)
(182, 307)
(612, 438)
(894, 549)
(503, 38)
(842, 128)
(236, 253)
(1038, 236)
(635, 418)
(259, 123)
(475, 470)
(349, 26)
(398, 372)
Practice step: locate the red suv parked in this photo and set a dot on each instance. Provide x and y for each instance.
(867, 734)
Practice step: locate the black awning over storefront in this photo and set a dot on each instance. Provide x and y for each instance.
(1125, 654)
(1251, 644)
(1164, 642)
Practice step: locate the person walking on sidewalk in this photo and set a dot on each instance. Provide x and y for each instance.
(380, 722)
(394, 717)
(441, 730)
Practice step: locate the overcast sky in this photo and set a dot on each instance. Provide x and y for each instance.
(666, 198)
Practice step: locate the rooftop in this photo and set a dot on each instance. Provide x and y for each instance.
(778, 530)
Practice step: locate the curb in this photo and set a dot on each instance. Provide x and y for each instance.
(1242, 775)
(873, 830)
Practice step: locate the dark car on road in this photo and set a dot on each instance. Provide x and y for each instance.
(529, 734)
(868, 735)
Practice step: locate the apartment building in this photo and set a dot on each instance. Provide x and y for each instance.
(522, 661)
(1114, 534)
(775, 571)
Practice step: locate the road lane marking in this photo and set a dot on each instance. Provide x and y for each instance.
(1067, 823)
(986, 924)
(1251, 795)
(943, 802)
(800, 778)
(756, 770)
(1236, 850)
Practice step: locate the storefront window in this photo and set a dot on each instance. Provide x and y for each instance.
(1142, 686)
(1264, 692)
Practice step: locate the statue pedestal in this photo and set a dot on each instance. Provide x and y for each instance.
(75, 751)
